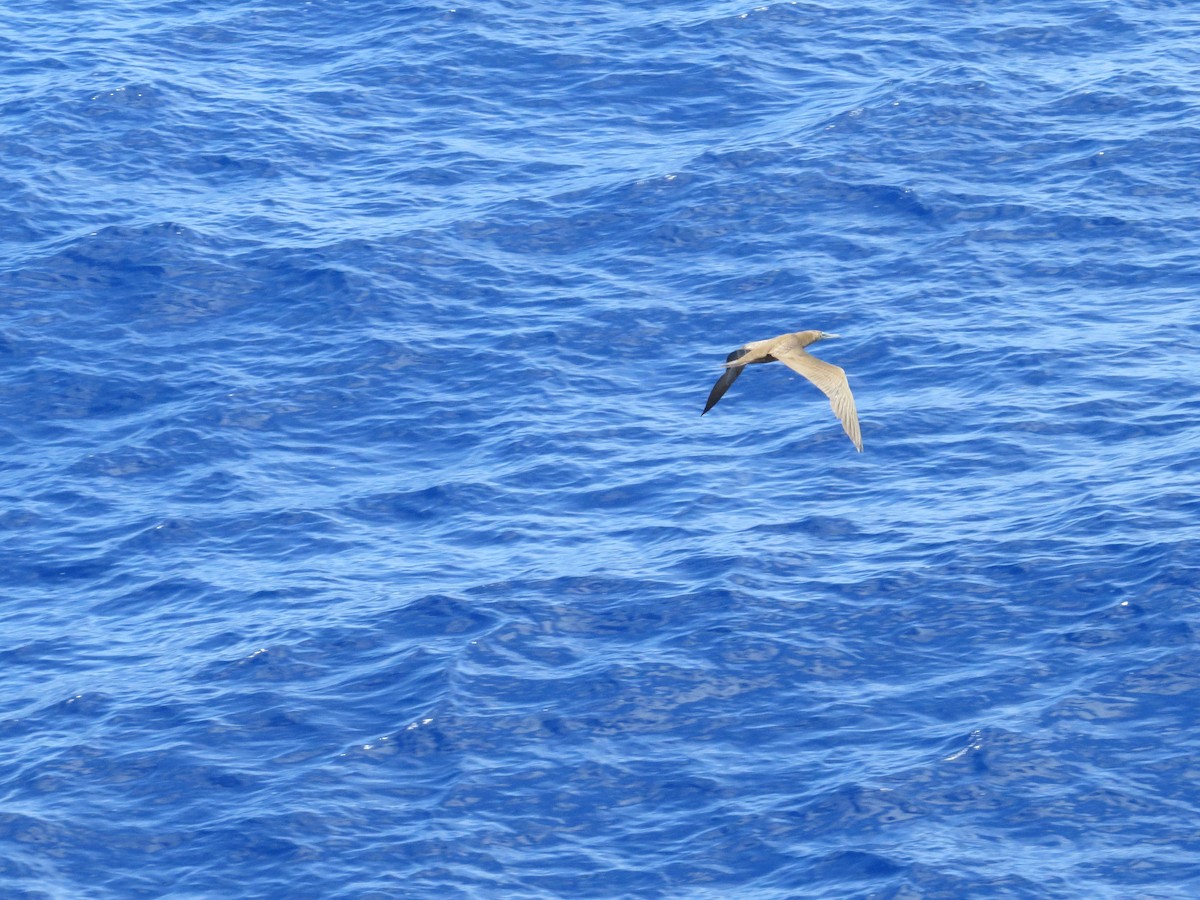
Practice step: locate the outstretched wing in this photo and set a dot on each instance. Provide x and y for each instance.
(728, 378)
(832, 381)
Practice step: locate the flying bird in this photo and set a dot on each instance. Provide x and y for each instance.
(789, 350)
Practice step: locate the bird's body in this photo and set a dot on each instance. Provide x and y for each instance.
(789, 350)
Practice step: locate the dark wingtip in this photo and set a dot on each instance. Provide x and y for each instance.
(728, 377)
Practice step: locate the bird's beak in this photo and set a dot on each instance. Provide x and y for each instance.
(826, 334)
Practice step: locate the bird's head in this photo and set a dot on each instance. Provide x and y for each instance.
(811, 337)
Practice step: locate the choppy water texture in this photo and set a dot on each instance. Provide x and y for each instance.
(361, 533)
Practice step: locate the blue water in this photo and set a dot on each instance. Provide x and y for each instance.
(360, 535)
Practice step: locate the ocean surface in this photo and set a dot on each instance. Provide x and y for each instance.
(360, 535)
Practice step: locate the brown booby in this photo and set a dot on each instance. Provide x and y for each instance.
(789, 350)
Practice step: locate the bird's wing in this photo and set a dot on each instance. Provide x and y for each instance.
(831, 380)
(729, 377)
